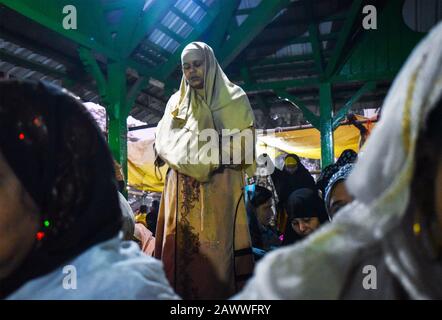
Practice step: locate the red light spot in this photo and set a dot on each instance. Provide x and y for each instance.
(40, 235)
(21, 136)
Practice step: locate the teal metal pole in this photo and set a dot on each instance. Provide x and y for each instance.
(326, 124)
(118, 112)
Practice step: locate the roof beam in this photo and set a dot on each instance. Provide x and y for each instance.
(367, 87)
(94, 69)
(182, 16)
(31, 45)
(280, 84)
(126, 28)
(217, 35)
(314, 36)
(28, 9)
(387, 76)
(202, 5)
(135, 90)
(245, 11)
(170, 33)
(343, 37)
(302, 39)
(10, 57)
(147, 22)
(308, 115)
(245, 74)
(261, 16)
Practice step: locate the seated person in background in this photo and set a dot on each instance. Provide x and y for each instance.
(325, 177)
(347, 156)
(141, 215)
(306, 213)
(152, 216)
(119, 176)
(59, 205)
(128, 217)
(145, 239)
(293, 176)
(387, 243)
(259, 213)
(336, 193)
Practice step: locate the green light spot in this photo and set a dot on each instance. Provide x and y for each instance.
(47, 224)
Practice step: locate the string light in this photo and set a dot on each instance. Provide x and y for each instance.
(40, 235)
(416, 228)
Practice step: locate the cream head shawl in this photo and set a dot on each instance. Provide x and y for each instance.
(317, 268)
(224, 106)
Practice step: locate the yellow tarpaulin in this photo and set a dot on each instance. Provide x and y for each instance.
(306, 143)
(141, 169)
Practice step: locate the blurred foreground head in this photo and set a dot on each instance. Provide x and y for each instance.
(58, 194)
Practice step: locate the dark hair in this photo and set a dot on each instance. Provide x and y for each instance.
(155, 204)
(428, 154)
(143, 208)
(433, 131)
(260, 196)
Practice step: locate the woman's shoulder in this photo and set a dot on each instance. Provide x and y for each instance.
(111, 270)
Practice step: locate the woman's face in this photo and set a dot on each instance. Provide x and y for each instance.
(19, 221)
(305, 226)
(264, 213)
(194, 73)
(339, 197)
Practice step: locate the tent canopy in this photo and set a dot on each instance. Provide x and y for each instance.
(306, 143)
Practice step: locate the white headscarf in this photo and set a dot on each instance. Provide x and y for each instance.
(317, 268)
(224, 106)
(222, 97)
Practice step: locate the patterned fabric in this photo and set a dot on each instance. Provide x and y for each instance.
(325, 176)
(202, 235)
(346, 157)
(342, 174)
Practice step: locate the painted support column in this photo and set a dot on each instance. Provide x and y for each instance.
(326, 124)
(118, 112)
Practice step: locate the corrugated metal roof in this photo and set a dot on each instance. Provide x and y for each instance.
(148, 4)
(241, 18)
(191, 10)
(325, 27)
(163, 40)
(30, 56)
(176, 24)
(247, 4)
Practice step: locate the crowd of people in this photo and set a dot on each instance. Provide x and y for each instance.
(60, 204)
